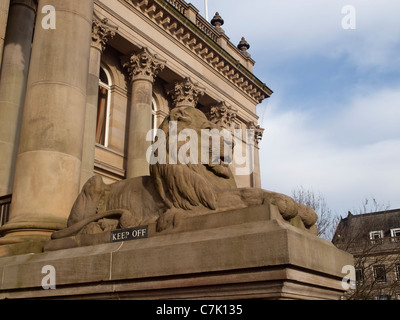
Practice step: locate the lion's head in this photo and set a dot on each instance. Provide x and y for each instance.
(194, 170)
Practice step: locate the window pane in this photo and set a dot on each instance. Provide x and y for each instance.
(103, 77)
(380, 273)
(101, 116)
(375, 235)
(395, 232)
(359, 275)
(153, 118)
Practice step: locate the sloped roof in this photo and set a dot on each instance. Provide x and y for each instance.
(357, 227)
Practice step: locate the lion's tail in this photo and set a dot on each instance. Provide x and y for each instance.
(75, 228)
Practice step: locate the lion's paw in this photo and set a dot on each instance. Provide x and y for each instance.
(165, 221)
(307, 215)
(289, 208)
(286, 205)
(129, 220)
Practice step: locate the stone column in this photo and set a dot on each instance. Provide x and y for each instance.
(185, 93)
(255, 176)
(101, 32)
(14, 73)
(48, 166)
(4, 5)
(142, 68)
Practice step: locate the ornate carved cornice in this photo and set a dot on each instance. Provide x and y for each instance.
(222, 115)
(203, 42)
(185, 93)
(142, 65)
(102, 31)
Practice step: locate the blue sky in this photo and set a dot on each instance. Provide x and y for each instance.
(333, 122)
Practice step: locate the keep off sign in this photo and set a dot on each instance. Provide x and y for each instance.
(130, 234)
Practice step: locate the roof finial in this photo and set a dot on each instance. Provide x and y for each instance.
(217, 22)
(244, 46)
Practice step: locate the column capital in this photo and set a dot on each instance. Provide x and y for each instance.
(142, 65)
(102, 31)
(222, 115)
(185, 93)
(258, 132)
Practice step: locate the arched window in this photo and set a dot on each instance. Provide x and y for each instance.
(103, 107)
(154, 117)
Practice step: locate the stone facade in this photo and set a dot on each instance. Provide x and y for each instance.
(139, 50)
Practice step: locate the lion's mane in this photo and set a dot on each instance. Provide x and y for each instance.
(189, 185)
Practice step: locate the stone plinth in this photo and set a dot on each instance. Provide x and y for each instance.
(247, 253)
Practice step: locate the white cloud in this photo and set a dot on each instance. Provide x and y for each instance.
(374, 117)
(346, 151)
(279, 29)
(296, 152)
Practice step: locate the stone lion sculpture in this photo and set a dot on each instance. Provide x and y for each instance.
(172, 190)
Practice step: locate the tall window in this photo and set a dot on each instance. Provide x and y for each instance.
(153, 117)
(379, 274)
(359, 275)
(103, 108)
(397, 272)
